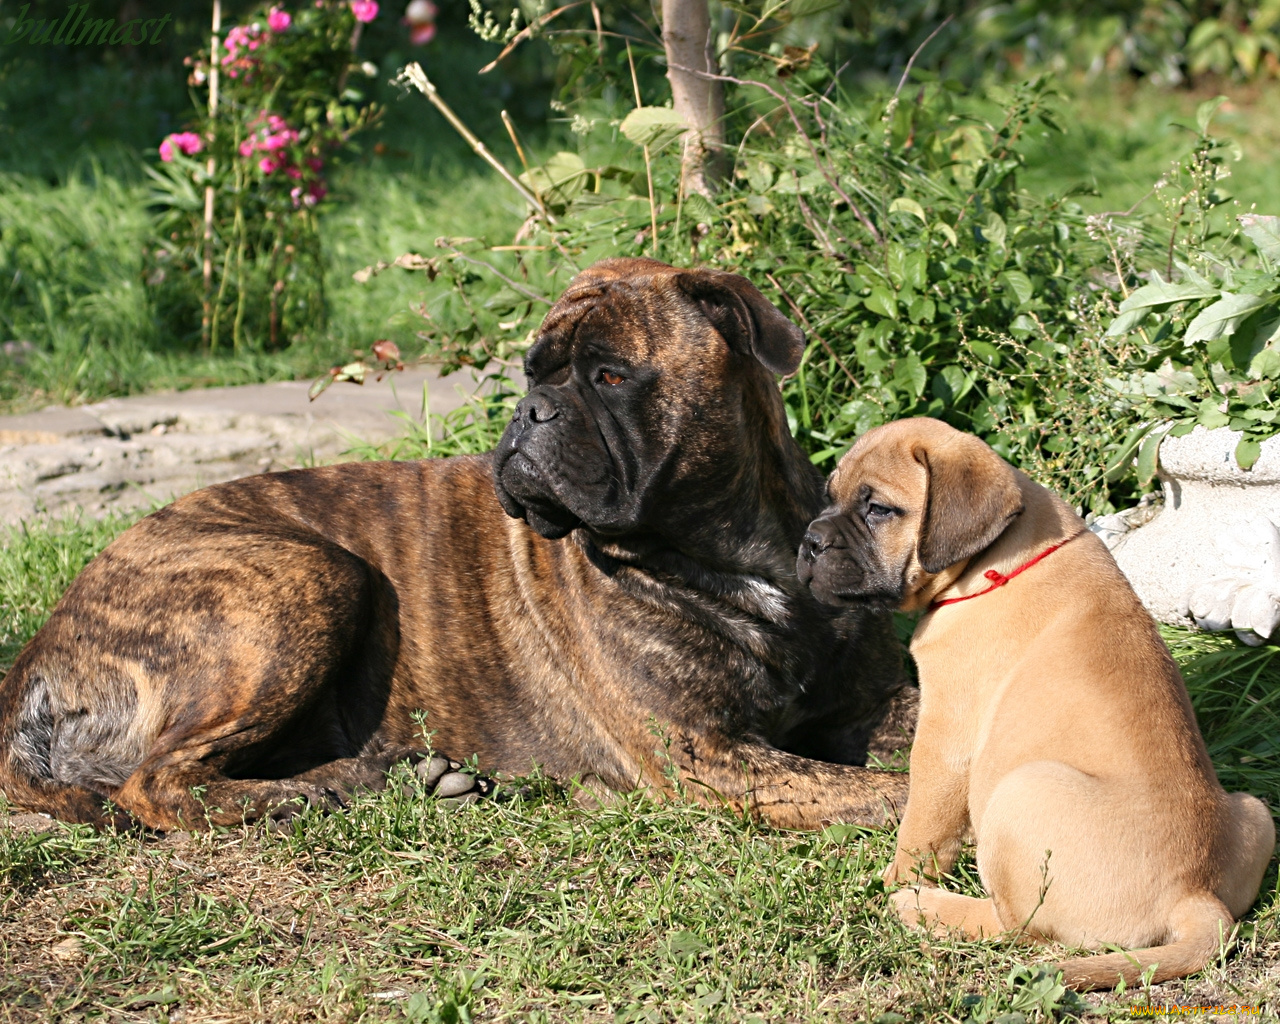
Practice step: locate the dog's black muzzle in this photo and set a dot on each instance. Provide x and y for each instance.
(525, 472)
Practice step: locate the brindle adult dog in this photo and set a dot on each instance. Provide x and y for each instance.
(272, 638)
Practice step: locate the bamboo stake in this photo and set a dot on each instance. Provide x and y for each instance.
(595, 13)
(416, 77)
(515, 141)
(648, 166)
(206, 320)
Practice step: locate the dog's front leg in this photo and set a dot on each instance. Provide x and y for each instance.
(935, 820)
(788, 791)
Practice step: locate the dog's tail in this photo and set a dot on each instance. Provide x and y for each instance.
(1201, 927)
(26, 737)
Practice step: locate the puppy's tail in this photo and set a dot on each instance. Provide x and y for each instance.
(1201, 926)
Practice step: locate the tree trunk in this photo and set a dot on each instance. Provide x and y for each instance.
(689, 42)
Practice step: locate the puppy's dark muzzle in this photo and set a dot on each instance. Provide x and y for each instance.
(839, 564)
(821, 536)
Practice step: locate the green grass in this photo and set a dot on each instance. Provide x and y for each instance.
(538, 909)
(534, 910)
(1121, 136)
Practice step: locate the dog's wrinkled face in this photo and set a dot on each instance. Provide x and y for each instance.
(643, 384)
(910, 500)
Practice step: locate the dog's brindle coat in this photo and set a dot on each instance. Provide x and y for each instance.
(272, 638)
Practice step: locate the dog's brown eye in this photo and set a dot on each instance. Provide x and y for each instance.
(611, 378)
(878, 511)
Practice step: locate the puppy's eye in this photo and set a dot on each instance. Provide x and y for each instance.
(611, 378)
(875, 511)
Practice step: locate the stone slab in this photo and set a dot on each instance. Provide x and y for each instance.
(48, 426)
(128, 453)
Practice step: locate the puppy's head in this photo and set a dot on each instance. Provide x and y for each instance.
(910, 500)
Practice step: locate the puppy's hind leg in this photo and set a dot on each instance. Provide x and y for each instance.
(941, 912)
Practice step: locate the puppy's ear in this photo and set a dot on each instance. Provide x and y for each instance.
(749, 322)
(973, 495)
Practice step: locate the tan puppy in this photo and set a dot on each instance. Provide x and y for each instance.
(1053, 722)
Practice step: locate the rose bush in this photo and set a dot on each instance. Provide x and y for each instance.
(239, 190)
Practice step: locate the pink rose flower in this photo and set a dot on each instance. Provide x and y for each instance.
(364, 10)
(278, 20)
(188, 143)
(268, 165)
(295, 194)
(293, 172)
(246, 148)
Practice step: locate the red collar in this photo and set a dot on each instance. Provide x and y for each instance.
(1000, 579)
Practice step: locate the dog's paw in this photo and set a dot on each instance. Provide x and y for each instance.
(453, 787)
(896, 874)
(281, 814)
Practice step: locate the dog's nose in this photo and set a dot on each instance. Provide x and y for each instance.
(537, 408)
(821, 535)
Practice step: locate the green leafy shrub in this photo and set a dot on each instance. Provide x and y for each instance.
(895, 233)
(1217, 326)
(894, 229)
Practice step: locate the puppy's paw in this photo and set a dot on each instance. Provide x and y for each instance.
(901, 871)
(906, 902)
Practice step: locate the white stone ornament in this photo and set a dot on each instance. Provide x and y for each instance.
(1211, 602)
(1248, 600)
(1211, 555)
(1256, 613)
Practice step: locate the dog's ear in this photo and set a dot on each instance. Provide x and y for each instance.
(973, 495)
(749, 322)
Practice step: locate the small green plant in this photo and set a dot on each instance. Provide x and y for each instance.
(1030, 994)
